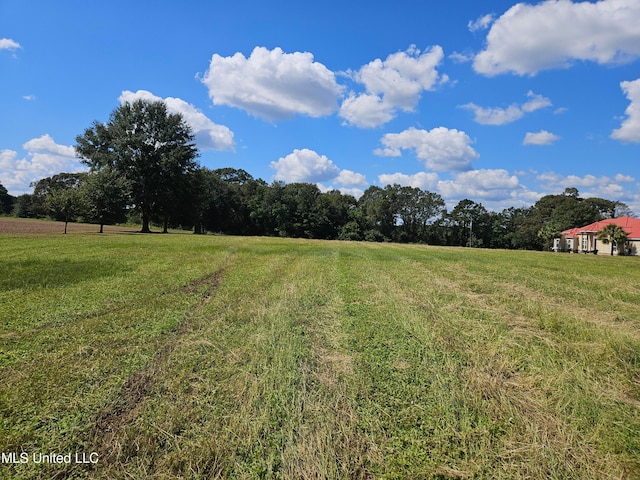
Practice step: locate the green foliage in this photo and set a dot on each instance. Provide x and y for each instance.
(152, 150)
(62, 197)
(66, 204)
(231, 201)
(22, 206)
(613, 234)
(107, 196)
(6, 201)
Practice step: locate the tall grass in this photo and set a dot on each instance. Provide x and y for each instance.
(179, 356)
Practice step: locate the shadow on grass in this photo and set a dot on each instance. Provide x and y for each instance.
(42, 273)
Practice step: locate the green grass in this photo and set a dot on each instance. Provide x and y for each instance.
(179, 356)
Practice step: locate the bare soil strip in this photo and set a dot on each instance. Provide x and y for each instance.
(12, 225)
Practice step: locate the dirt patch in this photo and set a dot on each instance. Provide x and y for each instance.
(33, 226)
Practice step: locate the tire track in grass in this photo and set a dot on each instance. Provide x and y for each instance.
(108, 422)
(261, 389)
(207, 413)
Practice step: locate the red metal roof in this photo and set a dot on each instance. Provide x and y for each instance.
(631, 227)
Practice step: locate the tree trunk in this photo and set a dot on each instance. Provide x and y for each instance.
(65, 226)
(165, 225)
(145, 223)
(102, 228)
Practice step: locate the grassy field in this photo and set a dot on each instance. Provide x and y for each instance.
(181, 356)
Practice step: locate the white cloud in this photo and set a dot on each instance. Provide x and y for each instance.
(29, 98)
(9, 44)
(503, 116)
(349, 177)
(209, 135)
(354, 192)
(541, 138)
(624, 178)
(592, 186)
(391, 84)
(536, 103)
(366, 110)
(272, 84)
(422, 180)
(629, 131)
(496, 189)
(553, 34)
(485, 184)
(460, 57)
(494, 115)
(46, 145)
(44, 158)
(481, 23)
(306, 165)
(441, 149)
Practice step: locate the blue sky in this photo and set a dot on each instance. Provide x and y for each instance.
(495, 101)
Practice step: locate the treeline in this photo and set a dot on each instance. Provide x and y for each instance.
(142, 169)
(231, 201)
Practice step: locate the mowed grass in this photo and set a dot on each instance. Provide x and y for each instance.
(181, 356)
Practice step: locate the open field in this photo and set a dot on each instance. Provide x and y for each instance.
(30, 225)
(182, 356)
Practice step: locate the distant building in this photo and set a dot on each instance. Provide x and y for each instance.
(585, 239)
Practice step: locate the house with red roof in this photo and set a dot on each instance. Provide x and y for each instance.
(585, 239)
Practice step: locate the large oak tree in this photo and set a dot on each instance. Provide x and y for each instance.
(150, 148)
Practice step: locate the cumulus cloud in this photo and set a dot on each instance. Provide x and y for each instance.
(366, 110)
(553, 34)
(541, 138)
(629, 131)
(272, 84)
(624, 178)
(441, 149)
(481, 23)
(349, 177)
(592, 186)
(353, 191)
(209, 135)
(44, 158)
(495, 188)
(393, 84)
(9, 44)
(503, 116)
(485, 184)
(306, 165)
(422, 180)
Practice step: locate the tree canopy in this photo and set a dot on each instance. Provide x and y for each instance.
(151, 149)
(142, 162)
(6, 200)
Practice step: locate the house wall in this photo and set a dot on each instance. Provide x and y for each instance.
(587, 243)
(633, 247)
(575, 245)
(564, 244)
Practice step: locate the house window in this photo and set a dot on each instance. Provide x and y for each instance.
(585, 244)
